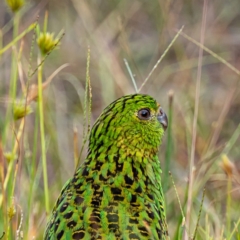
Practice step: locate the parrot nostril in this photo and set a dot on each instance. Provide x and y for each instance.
(162, 118)
(161, 111)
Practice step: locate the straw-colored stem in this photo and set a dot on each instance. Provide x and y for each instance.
(169, 147)
(194, 132)
(229, 201)
(13, 78)
(42, 136)
(32, 170)
(17, 38)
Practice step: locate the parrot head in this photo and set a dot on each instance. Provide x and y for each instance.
(133, 122)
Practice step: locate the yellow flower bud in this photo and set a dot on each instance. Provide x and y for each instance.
(11, 211)
(10, 156)
(20, 110)
(46, 42)
(15, 5)
(227, 165)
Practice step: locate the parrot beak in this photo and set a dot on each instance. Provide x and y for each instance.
(162, 118)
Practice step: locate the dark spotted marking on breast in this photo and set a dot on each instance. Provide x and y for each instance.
(77, 185)
(78, 235)
(59, 235)
(119, 167)
(89, 180)
(133, 236)
(115, 190)
(133, 220)
(95, 186)
(94, 225)
(138, 189)
(133, 199)
(80, 192)
(112, 218)
(63, 207)
(151, 196)
(113, 204)
(95, 203)
(78, 200)
(85, 172)
(128, 180)
(56, 225)
(135, 172)
(143, 231)
(95, 217)
(68, 215)
(72, 224)
(118, 198)
(150, 214)
(109, 173)
(98, 166)
(113, 226)
(102, 178)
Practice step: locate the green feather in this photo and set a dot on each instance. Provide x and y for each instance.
(116, 193)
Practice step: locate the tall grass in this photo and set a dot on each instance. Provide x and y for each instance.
(46, 98)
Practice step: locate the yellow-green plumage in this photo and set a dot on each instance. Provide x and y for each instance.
(116, 193)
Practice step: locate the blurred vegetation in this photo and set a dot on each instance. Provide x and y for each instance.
(37, 144)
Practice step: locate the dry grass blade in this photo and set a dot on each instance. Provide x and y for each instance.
(15, 149)
(234, 230)
(222, 117)
(32, 94)
(75, 146)
(20, 36)
(211, 52)
(199, 214)
(232, 140)
(180, 205)
(31, 49)
(194, 131)
(131, 74)
(160, 59)
(18, 232)
(87, 107)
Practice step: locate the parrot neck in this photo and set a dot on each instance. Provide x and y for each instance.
(135, 148)
(115, 150)
(124, 165)
(124, 162)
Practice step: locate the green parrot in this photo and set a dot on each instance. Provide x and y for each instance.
(116, 193)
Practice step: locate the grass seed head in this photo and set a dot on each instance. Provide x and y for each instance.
(227, 165)
(15, 5)
(21, 110)
(46, 42)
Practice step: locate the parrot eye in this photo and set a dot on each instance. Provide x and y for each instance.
(144, 114)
